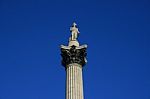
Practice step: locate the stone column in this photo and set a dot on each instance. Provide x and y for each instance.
(73, 59)
(74, 85)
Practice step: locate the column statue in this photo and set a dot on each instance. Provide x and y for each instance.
(74, 32)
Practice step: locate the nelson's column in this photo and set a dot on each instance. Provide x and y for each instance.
(73, 59)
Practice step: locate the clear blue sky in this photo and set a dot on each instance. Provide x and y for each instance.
(118, 38)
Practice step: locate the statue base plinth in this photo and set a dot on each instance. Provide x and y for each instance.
(75, 43)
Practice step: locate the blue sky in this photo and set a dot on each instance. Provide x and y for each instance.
(118, 38)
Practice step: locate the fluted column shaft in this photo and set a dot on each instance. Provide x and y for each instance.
(74, 83)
